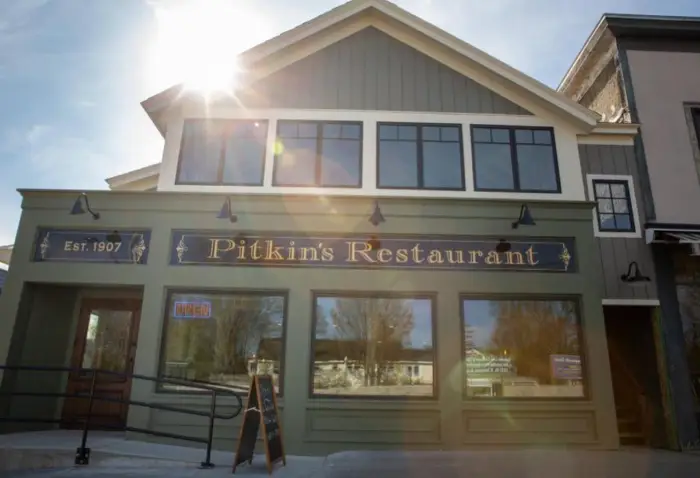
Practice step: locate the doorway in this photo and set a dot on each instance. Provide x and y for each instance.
(635, 376)
(105, 339)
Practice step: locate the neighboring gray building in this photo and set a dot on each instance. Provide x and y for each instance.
(646, 70)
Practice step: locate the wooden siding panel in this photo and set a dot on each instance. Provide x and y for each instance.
(372, 71)
(617, 253)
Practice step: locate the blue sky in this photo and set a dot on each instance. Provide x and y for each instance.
(73, 72)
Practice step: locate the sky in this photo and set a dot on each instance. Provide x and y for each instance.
(73, 72)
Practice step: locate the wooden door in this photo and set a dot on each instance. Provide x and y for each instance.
(105, 339)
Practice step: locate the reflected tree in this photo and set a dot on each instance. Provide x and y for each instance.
(373, 332)
(530, 331)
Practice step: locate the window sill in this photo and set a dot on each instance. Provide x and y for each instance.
(619, 235)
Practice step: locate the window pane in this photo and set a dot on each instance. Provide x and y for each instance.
(107, 340)
(373, 346)
(607, 222)
(223, 338)
(243, 160)
(408, 132)
(602, 190)
(442, 165)
(482, 135)
(449, 133)
(296, 165)
(340, 163)
(522, 348)
(618, 190)
(200, 154)
(605, 206)
(398, 164)
(308, 130)
(431, 133)
(523, 136)
(351, 131)
(620, 205)
(287, 129)
(500, 135)
(622, 222)
(536, 168)
(494, 169)
(542, 136)
(331, 130)
(388, 132)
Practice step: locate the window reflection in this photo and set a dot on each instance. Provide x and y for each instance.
(522, 348)
(373, 346)
(689, 301)
(224, 338)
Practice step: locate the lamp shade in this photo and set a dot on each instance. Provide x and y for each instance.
(77, 207)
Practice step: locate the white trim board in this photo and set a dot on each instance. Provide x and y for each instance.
(632, 302)
(633, 200)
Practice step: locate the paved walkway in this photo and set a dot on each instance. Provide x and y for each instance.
(113, 456)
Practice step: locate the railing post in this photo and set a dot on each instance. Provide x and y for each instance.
(212, 413)
(82, 454)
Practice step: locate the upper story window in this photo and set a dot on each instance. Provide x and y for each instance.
(317, 153)
(412, 156)
(515, 159)
(222, 152)
(613, 205)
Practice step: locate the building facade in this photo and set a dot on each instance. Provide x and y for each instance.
(390, 222)
(641, 69)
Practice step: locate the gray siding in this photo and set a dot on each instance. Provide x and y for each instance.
(372, 71)
(616, 253)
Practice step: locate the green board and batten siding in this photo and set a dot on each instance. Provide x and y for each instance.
(615, 253)
(314, 425)
(372, 71)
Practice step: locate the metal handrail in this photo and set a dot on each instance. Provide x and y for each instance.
(83, 452)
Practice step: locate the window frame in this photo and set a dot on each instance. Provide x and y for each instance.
(636, 232)
(169, 292)
(419, 157)
(222, 154)
(319, 148)
(514, 158)
(432, 296)
(576, 299)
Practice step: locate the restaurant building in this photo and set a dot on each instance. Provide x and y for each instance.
(389, 221)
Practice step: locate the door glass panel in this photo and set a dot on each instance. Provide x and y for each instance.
(107, 340)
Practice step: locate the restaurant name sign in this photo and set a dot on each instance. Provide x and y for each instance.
(411, 252)
(93, 245)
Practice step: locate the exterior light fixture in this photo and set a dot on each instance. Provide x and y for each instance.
(634, 276)
(78, 207)
(226, 213)
(503, 246)
(525, 218)
(377, 217)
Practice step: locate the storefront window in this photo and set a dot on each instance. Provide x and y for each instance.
(223, 337)
(373, 346)
(689, 301)
(522, 349)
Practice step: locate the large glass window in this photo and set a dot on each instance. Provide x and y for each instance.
(373, 346)
(514, 159)
(687, 272)
(223, 337)
(226, 152)
(420, 156)
(311, 153)
(522, 348)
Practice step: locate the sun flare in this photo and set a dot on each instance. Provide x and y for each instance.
(197, 42)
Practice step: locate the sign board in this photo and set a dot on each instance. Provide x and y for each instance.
(261, 410)
(92, 245)
(192, 309)
(566, 367)
(405, 252)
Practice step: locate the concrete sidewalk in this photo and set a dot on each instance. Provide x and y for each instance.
(52, 453)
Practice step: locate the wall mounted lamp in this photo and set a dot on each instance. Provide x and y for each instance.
(377, 217)
(226, 212)
(525, 218)
(634, 276)
(78, 207)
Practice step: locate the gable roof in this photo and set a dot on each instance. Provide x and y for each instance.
(341, 22)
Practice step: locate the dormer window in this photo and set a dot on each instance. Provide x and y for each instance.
(222, 152)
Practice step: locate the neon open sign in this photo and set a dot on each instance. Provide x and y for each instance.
(192, 309)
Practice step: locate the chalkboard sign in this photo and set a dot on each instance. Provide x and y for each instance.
(260, 409)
